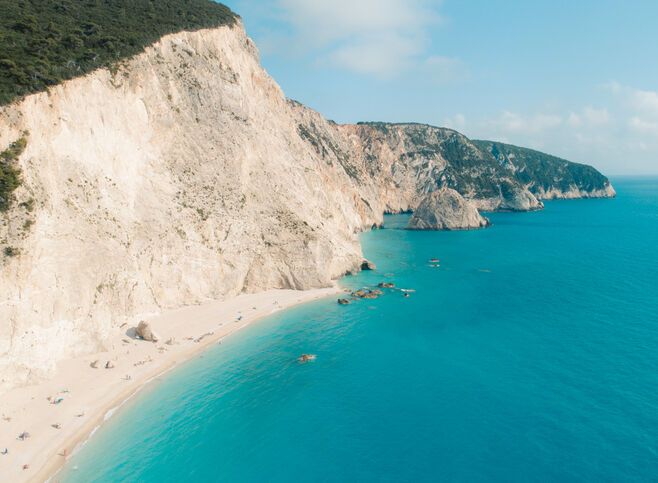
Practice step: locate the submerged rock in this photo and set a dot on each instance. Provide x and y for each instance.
(367, 294)
(343, 302)
(306, 358)
(445, 209)
(145, 332)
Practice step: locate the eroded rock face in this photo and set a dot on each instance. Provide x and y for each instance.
(445, 209)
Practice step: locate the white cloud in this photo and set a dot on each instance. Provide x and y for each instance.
(596, 117)
(574, 120)
(382, 38)
(588, 117)
(383, 57)
(639, 101)
(643, 126)
(645, 101)
(457, 122)
(328, 20)
(511, 122)
(617, 134)
(444, 70)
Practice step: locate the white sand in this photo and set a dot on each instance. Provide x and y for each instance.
(89, 394)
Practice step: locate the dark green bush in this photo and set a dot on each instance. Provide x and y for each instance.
(43, 42)
(10, 252)
(10, 174)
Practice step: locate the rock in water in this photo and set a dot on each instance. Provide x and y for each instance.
(446, 209)
(145, 332)
(368, 265)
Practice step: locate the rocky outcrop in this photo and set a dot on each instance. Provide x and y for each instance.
(368, 265)
(145, 332)
(187, 176)
(446, 209)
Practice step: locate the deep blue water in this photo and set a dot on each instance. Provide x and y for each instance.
(531, 354)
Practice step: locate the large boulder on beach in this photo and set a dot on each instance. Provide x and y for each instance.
(446, 209)
(145, 332)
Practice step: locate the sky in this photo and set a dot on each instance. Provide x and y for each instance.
(577, 79)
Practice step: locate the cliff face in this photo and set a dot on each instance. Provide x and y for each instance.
(179, 179)
(187, 176)
(415, 159)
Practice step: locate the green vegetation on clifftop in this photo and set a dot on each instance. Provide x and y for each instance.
(44, 42)
(542, 172)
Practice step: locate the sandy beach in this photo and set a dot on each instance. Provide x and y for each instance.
(61, 413)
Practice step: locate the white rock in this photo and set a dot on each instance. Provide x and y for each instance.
(445, 209)
(145, 332)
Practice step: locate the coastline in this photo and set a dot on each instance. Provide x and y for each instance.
(91, 396)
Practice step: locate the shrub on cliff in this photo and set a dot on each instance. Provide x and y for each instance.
(43, 42)
(10, 174)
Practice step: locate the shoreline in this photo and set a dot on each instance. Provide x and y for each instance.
(90, 397)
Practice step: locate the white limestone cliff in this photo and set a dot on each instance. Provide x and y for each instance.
(446, 209)
(179, 179)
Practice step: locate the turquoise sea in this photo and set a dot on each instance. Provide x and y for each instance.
(531, 354)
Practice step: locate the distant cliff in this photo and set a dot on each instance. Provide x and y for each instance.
(184, 175)
(423, 158)
(547, 176)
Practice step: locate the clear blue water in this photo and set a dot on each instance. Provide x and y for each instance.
(530, 355)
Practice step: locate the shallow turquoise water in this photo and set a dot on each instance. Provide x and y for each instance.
(530, 355)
